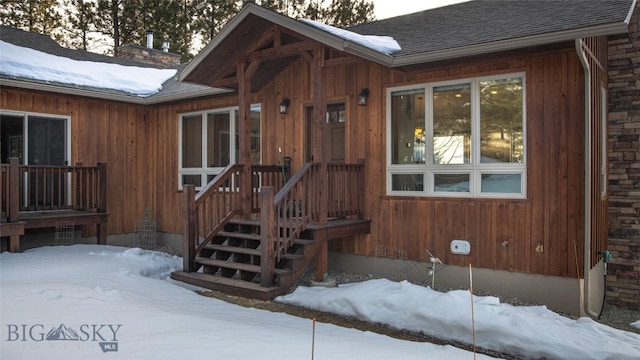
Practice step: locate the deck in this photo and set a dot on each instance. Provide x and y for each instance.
(35, 197)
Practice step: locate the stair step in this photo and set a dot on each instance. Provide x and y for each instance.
(293, 256)
(229, 286)
(234, 249)
(234, 265)
(238, 235)
(252, 222)
(303, 242)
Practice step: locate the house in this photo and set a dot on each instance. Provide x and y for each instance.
(474, 134)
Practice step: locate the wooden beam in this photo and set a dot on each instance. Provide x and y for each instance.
(267, 236)
(102, 203)
(225, 82)
(319, 150)
(244, 133)
(320, 154)
(14, 190)
(322, 261)
(281, 51)
(189, 231)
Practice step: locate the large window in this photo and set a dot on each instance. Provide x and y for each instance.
(206, 144)
(35, 139)
(462, 138)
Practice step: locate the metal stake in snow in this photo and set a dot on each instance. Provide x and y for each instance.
(473, 321)
(313, 337)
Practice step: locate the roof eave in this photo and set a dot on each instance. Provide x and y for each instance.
(523, 42)
(131, 99)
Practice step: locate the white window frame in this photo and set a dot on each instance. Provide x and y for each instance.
(25, 130)
(205, 171)
(25, 143)
(475, 169)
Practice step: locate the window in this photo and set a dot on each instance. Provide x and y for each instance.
(35, 139)
(462, 138)
(206, 144)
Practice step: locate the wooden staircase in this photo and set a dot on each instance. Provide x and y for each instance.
(249, 233)
(231, 262)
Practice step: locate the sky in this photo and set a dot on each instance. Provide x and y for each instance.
(93, 301)
(389, 8)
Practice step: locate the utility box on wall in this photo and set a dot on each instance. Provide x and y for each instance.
(460, 247)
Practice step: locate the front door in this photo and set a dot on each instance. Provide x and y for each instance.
(336, 118)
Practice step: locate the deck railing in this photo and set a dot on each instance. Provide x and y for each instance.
(42, 188)
(346, 184)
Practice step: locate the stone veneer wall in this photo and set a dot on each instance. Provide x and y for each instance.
(623, 275)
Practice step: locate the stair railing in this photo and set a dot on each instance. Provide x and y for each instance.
(208, 211)
(345, 194)
(283, 217)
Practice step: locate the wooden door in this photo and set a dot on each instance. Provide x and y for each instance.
(336, 118)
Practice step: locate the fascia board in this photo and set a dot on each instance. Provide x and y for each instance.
(131, 99)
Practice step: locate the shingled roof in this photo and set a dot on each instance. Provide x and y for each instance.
(171, 89)
(484, 24)
(455, 31)
(47, 45)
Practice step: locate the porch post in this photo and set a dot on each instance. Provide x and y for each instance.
(102, 204)
(189, 230)
(244, 137)
(14, 190)
(320, 155)
(267, 236)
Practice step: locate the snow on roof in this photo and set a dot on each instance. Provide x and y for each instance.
(383, 44)
(23, 62)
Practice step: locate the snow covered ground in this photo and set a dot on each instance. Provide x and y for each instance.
(81, 301)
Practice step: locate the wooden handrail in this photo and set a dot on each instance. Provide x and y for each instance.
(205, 213)
(292, 182)
(289, 213)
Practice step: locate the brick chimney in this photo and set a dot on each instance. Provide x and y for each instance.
(149, 55)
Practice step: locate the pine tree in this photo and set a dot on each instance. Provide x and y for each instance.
(81, 23)
(212, 15)
(40, 16)
(343, 13)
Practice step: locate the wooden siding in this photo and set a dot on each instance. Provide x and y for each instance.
(101, 131)
(541, 234)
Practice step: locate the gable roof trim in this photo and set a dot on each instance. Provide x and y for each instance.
(300, 27)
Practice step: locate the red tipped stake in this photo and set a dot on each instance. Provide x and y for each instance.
(473, 321)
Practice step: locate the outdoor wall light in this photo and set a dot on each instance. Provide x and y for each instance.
(362, 97)
(284, 105)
